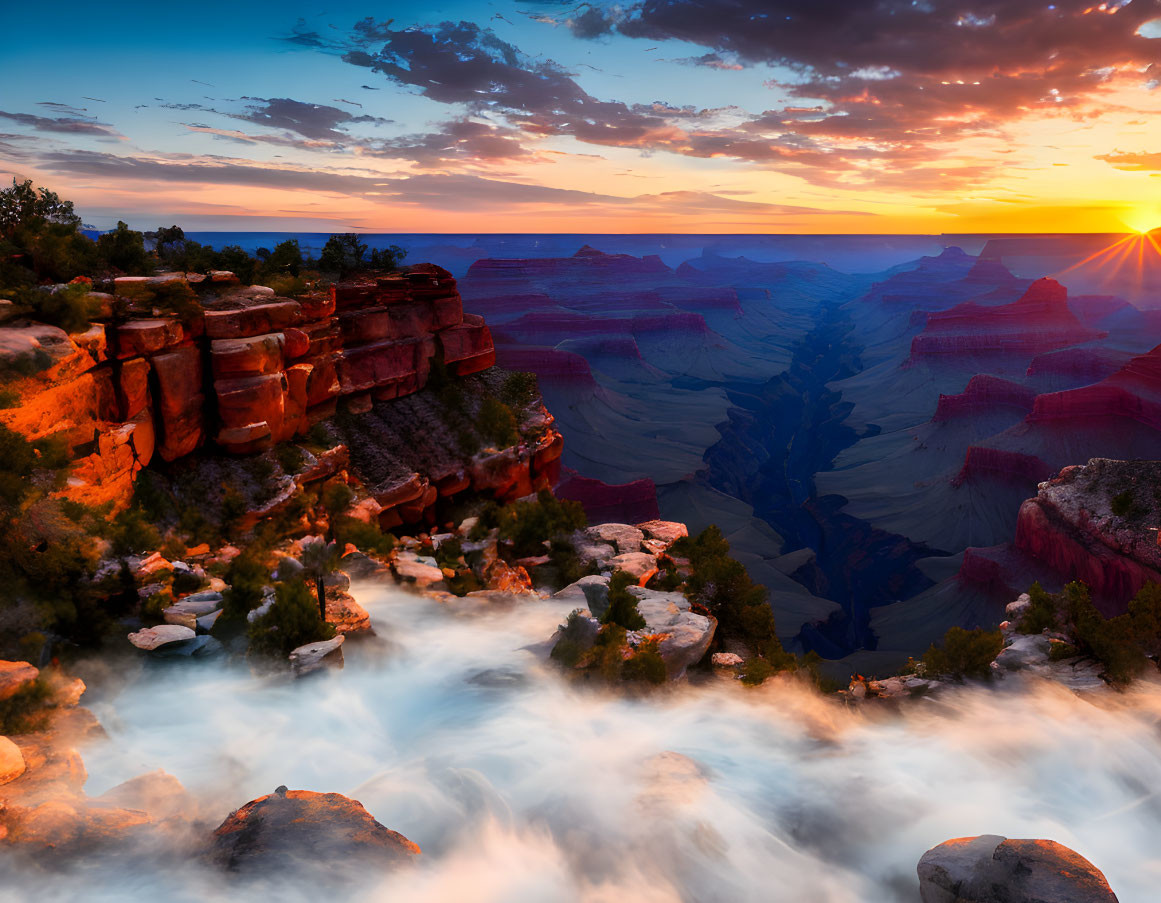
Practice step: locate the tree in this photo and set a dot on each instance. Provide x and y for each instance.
(319, 559)
(286, 258)
(342, 254)
(622, 609)
(124, 250)
(964, 653)
(22, 206)
(388, 258)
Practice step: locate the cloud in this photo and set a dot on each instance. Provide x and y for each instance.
(438, 191)
(1133, 162)
(464, 140)
(311, 120)
(839, 139)
(69, 125)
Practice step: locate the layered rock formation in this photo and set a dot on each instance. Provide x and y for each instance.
(1097, 523)
(241, 368)
(1039, 322)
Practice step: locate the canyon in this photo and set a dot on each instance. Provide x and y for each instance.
(890, 454)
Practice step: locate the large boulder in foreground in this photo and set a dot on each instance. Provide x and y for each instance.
(293, 829)
(993, 869)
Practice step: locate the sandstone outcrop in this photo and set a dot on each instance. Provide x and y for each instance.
(291, 830)
(1039, 322)
(994, 869)
(247, 371)
(1071, 527)
(1133, 393)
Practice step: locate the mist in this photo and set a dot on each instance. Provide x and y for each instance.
(450, 727)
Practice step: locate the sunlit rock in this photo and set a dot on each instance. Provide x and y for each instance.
(290, 830)
(993, 869)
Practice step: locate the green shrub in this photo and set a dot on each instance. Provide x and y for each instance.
(450, 553)
(290, 457)
(246, 575)
(622, 609)
(132, 533)
(567, 564)
(293, 621)
(607, 652)
(1145, 613)
(1041, 614)
(497, 423)
(367, 538)
(964, 653)
(528, 524)
(756, 670)
(721, 585)
(519, 390)
(1110, 641)
(646, 664)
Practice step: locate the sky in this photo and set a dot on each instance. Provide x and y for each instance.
(729, 116)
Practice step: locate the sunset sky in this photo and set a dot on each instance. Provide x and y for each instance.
(663, 116)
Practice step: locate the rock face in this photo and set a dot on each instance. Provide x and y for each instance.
(14, 677)
(1070, 526)
(11, 761)
(1039, 322)
(247, 371)
(1133, 392)
(993, 869)
(291, 830)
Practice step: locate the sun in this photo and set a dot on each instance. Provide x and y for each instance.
(1142, 219)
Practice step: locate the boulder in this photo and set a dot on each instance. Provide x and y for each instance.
(287, 829)
(591, 592)
(687, 635)
(639, 565)
(187, 611)
(414, 571)
(157, 793)
(316, 656)
(14, 677)
(623, 536)
(506, 578)
(152, 638)
(993, 869)
(11, 761)
(345, 614)
(665, 531)
(726, 660)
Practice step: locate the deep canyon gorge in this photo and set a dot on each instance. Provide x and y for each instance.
(824, 466)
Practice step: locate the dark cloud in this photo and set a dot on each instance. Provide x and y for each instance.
(311, 120)
(68, 125)
(468, 66)
(591, 23)
(918, 59)
(464, 140)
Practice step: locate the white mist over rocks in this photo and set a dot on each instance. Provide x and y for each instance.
(452, 729)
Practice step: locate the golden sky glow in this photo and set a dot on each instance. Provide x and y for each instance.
(685, 116)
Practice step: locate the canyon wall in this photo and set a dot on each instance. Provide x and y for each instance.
(240, 368)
